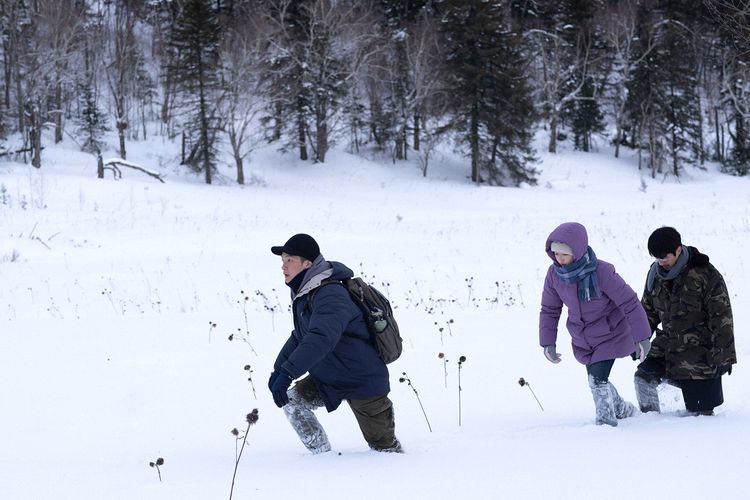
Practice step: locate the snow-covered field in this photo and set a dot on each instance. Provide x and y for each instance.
(118, 298)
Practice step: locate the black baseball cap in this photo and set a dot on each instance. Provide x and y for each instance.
(301, 245)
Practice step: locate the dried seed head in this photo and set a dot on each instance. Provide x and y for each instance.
(441, 355)
(402, 379)
(521, 382)
(247, 367)
(235, 432)
(252, 417)
(159, 461)
(151, 464)
(462, 359)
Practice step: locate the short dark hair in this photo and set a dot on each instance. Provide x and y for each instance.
(663, 241)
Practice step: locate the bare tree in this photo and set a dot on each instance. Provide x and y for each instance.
(122, 61)
(620, 27)
(734, 18)
(45, 45)
(559, 63)
(426, 100)
(242, 100)
(321, 49)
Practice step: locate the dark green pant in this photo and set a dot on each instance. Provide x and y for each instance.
(376, 421)
(374, 415)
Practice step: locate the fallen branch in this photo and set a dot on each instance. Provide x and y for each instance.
(16, 152)
(115, 164)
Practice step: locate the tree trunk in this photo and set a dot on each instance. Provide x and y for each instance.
(417, 131)
(552, 148)
(718, 137)
(7, 66)
(205, 149)
(675, 155)
(474, 143)
(121, 135)
(398, 147)
(36, 137)
(701, 147)
(301, 131)
(240, 169)
(20, 104)
(165, 111)
(321, 134)
(99, 167)
(58, 111)
(121, 121)
(183, 143)
(277, 121)
(618, 139)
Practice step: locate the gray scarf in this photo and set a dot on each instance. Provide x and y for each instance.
(657, 271)
(319, 271)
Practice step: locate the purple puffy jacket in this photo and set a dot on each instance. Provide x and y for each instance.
(605, 328)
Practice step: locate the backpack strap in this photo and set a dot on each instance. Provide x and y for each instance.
(311, 294)
(329, 281)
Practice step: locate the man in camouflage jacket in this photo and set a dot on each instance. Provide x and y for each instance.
(695, 345)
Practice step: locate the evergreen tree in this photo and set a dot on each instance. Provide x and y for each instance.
(583, 36)
(400, 19)
(91, 121)
(737, 100)
(586, 116)
(490, 104)
(315, 56)
(681, 108)
(91, 124)
(195, 41)
(123, 61)
(644, 90)
(290, 98)
(664, 95)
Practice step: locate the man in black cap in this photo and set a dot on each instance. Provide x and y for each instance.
(694, 347)
(331, 343)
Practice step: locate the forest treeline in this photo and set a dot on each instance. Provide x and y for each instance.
(667, 78)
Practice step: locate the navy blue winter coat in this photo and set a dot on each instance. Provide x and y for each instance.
(343, 366)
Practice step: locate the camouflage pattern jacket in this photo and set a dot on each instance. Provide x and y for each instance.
(697, 332)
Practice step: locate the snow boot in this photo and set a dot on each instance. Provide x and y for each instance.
(604, 402)
(645, 391)
(623, 409)
(299, 412)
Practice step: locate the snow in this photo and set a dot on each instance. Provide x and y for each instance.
(109, 358)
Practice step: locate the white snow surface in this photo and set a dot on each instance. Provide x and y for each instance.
(109, 357)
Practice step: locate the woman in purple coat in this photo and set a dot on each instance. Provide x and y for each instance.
(605, 318)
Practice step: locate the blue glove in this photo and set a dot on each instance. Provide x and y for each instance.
(641, 350)
(551, 354)
(272, 379)
(279, 388)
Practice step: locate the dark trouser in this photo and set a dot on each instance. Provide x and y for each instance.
(600, 370)
(699, 395)
(374, 416)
